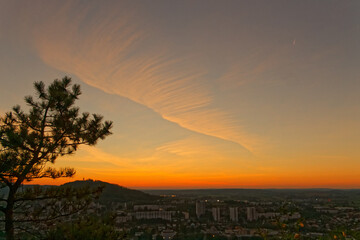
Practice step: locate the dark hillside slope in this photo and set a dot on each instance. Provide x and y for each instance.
(115, 193)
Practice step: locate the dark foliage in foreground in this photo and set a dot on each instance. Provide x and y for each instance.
(32, 140)
(90, 228)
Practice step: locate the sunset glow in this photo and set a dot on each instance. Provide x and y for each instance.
(203, 94)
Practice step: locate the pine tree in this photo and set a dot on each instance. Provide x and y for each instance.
(31, 141)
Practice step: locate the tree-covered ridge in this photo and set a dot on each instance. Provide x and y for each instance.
(114, 192)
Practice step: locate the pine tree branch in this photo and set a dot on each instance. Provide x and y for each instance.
(28, 231)
(48, 176)
(5, 180)
(44, 198)
(61, 215)
(78, 193)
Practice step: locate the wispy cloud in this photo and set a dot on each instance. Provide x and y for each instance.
(259, 65)
(96, 159)
(110, 51)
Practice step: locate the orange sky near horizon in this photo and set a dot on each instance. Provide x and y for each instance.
(204, 94)
(168, 178)
(248, 182)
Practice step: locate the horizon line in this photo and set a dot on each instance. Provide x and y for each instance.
(214, 188)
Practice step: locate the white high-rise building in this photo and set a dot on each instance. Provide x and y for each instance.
(166, 215)
(234, 214)
(200, 208)
(251, 214)
(216, 214)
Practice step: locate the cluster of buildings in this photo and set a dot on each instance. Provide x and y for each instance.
(236, 220)
(182, 218)
(216, 212)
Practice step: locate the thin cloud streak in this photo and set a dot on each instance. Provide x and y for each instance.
(112, 53)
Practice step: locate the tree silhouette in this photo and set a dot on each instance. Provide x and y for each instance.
(31, 141)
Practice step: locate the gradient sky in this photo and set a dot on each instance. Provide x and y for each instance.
(203, 94)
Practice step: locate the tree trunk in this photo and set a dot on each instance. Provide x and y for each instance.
(9, 225)
(9, 216)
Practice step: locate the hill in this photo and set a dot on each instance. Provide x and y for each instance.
(114, 192)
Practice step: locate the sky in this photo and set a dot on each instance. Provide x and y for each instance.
(203, 94)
